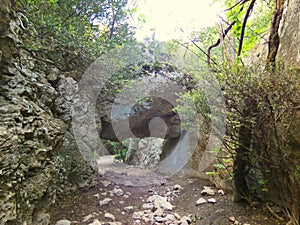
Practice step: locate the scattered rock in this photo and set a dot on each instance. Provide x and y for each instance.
(128, 208)
(125, 196)
(221, 192)
(117, 191)
(88, 217)
(201, 201)
(231, 219)
(96, 222)
(63, 222)
(177, 216)
(137, 215)
(106, 183)
(170, 217)
(212, 200)
(158, 212)
(208, 191)
(177, 187)
(187, 219)
(114, 223)
(160, 202)
(128, 183)
(109, 216)
(105, 202)
(137, 222)
(160, 219)
(148, 206)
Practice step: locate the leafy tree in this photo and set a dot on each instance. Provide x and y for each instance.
(261, 101)
(66, 33)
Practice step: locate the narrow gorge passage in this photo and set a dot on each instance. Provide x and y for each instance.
(102, 125)
(129, 195)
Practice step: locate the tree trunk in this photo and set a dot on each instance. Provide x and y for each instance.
(274, 39)
(241, 189)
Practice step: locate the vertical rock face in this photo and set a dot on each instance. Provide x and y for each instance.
(284, 189)
(29, 134)
(289, 51)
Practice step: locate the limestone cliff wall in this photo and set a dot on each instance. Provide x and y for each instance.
(289, 54)
(29, 134)
(289, 49)
(36, 154)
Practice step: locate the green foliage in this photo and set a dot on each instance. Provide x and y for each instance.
(265, 101)
(263, 185)
(256, 29)
(65, 31)
(192, 102)
(120, 150)
(257, 24)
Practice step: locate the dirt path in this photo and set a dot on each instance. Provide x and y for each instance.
(123, 191)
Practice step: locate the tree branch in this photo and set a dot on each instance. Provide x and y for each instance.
(241, 2)
(249, 10)
(218, 41)
(226, 53)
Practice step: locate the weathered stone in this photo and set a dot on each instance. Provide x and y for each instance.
(144, 152)
(208, 191)
(63, 222)
(160, 219)
(105, 201)
(137, 222)
(109, 216)
(114, 223)
(128, 208)
(160, 202)
(185, 220)
(231, 219)
(289, 35)
(159, 212)
(29, 141)
(95, 222)
(201, 201)
(117, 191)
(41, 218)
(66, 89)
(221, 192)
(148, 206)
(137, 215)
(88, 217)
(212, 200)
(76, 171)
(170, 217)
(105, 183)
(177, 187)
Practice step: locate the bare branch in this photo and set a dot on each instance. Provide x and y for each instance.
(223, 36)
(186, 47)
(241, 2)
(227, 55)
(218, 41)
(249, 10)
(197, 46)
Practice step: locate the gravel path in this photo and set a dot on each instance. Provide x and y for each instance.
(127, 195)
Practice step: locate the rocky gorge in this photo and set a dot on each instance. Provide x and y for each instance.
(41, 159)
